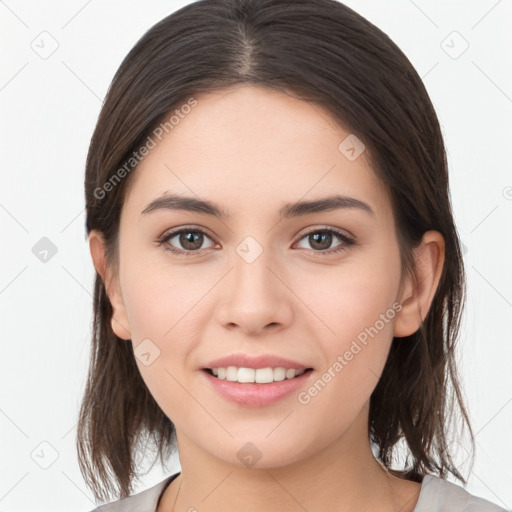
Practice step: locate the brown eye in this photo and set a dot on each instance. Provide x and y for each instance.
(321, 240)
(185, 241)
(190, 240)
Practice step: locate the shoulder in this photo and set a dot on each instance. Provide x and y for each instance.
(144, 501)
(439, 495)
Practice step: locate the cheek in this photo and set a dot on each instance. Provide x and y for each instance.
(352, 297)
(159, 298)
(162, 306)
(356, 308)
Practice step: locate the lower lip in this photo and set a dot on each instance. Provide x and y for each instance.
(256, 395)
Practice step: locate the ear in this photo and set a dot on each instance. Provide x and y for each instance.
(418, 291)
(119, 320)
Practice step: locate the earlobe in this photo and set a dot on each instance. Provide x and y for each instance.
(119, 320)
(419, 290)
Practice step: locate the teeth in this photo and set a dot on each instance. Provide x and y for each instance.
(260, 375)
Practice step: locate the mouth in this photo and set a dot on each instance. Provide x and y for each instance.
(255, 375)
(256, 387)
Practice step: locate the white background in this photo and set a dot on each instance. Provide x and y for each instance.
(49, 108)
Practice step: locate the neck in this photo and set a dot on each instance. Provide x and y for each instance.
(343, 476)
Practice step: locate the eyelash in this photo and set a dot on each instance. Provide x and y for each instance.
(347, 241)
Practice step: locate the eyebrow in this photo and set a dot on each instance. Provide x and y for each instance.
(288, 210)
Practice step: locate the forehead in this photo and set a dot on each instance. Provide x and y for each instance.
(251, 146)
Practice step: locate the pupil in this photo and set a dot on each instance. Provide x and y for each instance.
(317, 239)
(189, 238)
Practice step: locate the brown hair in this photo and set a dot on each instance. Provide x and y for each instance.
(327, 54)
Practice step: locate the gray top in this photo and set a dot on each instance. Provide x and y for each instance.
(436, 495)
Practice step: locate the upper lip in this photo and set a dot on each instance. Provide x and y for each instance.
(262, 361)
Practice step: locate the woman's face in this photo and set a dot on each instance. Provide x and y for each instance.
(258, 283)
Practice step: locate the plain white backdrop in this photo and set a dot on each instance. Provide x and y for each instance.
(58, 61)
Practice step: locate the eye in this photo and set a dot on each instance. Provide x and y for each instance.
(190, 239)
(321, 239)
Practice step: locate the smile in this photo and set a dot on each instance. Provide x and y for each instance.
(254, 394)
(259, 375)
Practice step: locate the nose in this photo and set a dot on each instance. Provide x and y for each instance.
(255, 297)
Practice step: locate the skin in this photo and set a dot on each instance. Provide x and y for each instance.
(251, 149)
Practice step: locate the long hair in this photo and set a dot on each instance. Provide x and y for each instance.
(323, 52)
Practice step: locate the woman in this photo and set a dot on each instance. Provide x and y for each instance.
(279, 278)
